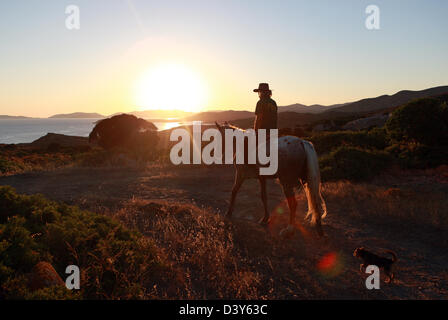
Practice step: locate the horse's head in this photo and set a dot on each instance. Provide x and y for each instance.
(222, 127)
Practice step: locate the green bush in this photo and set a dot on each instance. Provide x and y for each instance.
(115, 263)
(353, 164)
(419, 133)
(325, 142)
(418, 156)
(127, 134)
(415, 136)
(422, 121)
(17, 289)
(7, 166)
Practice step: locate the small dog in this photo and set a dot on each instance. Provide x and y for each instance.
(370, 258)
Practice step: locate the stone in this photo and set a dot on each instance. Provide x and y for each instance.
(44, 275)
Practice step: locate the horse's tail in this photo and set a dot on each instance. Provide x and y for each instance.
(316, 203)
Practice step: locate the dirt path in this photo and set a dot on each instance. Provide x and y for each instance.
(303, 267)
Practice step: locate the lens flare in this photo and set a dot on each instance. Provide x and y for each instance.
(330, 265)
(280, 218)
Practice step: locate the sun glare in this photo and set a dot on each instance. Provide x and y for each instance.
(171, 87)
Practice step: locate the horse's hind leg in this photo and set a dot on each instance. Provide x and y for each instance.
(236, 187)
(264, 198)
(292, 203)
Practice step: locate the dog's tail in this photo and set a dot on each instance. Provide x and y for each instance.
(394, 256)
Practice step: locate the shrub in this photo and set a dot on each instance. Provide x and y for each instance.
(123, 131)
(415, 155)
(325, 142)
(378, 137)
(127, 134)
(23, 158)
(6, 165)
(114, 261)
(422, 121)
(353, 164)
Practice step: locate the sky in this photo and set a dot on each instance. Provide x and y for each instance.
(310, 52)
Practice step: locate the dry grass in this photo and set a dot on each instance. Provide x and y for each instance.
(214, 259)
(199, 245)
(15, 164)
(401, 204)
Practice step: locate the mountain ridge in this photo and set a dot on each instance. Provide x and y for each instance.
(363, 107)
(366, 105)
(77, 115)
(6, 117)
(389, 101)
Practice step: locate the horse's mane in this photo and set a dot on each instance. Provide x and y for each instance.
(230, 126)
(235, 127)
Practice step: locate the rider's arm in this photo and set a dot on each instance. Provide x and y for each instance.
(258, 115)
(258, 121)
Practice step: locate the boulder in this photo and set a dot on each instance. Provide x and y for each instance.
(377, 120)
(44, 275)
(327, 126)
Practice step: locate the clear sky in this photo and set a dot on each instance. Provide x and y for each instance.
(310, 52)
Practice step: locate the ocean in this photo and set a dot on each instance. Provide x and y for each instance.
(28, 130)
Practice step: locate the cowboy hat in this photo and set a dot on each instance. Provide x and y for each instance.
(262, 87)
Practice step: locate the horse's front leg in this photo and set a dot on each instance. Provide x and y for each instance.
(264, 198)
(236, 187)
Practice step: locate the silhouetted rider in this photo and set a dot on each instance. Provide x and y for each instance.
(266, 110)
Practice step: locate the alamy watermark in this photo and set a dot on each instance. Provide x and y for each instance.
(234, 143)
(73, 280)
(373, 19)
(73, 19)
(373, 280)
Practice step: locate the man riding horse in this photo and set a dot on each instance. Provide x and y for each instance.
(297, 166)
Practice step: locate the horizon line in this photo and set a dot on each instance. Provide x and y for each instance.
(315, 105)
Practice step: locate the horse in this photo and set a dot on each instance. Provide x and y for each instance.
(297, 165)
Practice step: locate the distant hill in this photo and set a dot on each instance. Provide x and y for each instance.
(315, 108)
(5, 117)
(369, 104)
(78, 115)
(299, 114)
(390, 101)
(158, 114)
(231, 115)
(60, 139)
(364, 107)
(211, 116)
(305, 113)
(285, 120)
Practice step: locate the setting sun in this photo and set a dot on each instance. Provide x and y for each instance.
(170, 87)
